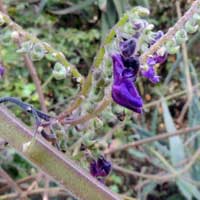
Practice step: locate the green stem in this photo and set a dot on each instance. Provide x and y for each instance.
(58, 55)
(53, 162)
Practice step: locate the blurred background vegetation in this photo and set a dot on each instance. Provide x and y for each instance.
(77, 28)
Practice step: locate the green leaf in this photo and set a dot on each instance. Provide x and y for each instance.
(187, 189)
(177, 152)
(102, 4)
(73, 8)
(120, 6)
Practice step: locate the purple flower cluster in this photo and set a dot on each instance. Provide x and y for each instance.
(152, 62)
(125, 70)
(100, 167)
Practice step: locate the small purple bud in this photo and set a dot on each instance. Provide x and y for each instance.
(157, 36)
(140, 24)
(160, 59)
(128, 47)
(104, 166)
(100, 168)
(151, 74)
(2, 71)
(93, 168)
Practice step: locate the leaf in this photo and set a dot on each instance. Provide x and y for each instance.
(187, 189)
(177, 152)
(74, 8)
(154, 122)
(102, 5)
(120, 6)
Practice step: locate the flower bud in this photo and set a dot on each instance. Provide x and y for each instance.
(128, 47)
(26, 47)
(173, 50)
(172, 47)
(98, 123)
(59, 71)
(191, 27)
(181, 36)
(37, 53)
(141, 11)
(139, 24)
(196, 18)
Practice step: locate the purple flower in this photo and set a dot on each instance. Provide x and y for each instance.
(151, 74)
(126, 95)
(124, 91)
(100, 168)
(152, 61)
(157, 36)
(2, 70)
(139, 25)
(128, 47)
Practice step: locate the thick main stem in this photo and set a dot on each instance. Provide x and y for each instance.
(53, 162)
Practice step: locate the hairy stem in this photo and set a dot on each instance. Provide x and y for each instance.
(49, 159)
(171, 32)
(58, 55)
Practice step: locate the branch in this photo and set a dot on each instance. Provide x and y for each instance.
(58, 55)
(152, 139)
(29, 63)
(53, 162)
(171, 32)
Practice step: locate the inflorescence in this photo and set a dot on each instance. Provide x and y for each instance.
(136, 38)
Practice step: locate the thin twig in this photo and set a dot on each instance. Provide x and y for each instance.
(160, 178)
(102, 105)
(187, 72)
(152, 139)
(29, 63)
(175, 95)
(10, 182)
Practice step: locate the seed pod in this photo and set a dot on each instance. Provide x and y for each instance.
(181, 36)
(59, 71)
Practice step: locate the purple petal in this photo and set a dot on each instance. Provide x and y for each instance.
(118, 67)
(128, 47)
(93, 168)
(157, 36)
(151, 75)
(160, 59)
(126, 94)
(151, 61)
